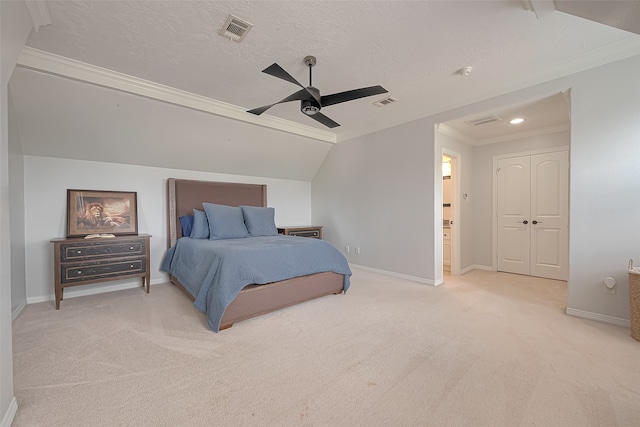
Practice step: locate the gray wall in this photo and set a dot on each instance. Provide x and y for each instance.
(381, 189)
(14, 29)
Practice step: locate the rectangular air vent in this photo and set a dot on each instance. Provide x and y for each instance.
(385, 101)
(484, 120)
(235, 28)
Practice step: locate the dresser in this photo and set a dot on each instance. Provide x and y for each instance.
(313, 231)
(78, 261)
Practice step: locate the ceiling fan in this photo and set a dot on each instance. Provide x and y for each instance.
(310, 99)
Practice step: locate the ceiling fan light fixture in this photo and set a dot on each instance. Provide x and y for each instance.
(310, 107)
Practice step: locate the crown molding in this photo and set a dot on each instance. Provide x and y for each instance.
(50, 63)
(446, 130)
(39, 12)
(525, 134)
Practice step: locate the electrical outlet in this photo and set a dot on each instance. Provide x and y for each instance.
(347, 248)
(357, 250)
(609, 285)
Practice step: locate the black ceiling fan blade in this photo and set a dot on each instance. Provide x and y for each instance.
(277, 71)
(350, 95)
(324, 120)
(300, 95)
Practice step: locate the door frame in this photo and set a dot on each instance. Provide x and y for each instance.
(494, 213)
(456, 173)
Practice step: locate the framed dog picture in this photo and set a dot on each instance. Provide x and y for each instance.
(101, 212)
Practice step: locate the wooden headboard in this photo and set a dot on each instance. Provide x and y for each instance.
(183, 196)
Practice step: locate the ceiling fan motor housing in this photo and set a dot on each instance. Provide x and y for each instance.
(309, 107)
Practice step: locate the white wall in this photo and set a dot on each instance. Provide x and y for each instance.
(380, 188)
(605, 184)
(16, 212)
(376, 192)
(15, 25)
(483, 175)
(46, 184)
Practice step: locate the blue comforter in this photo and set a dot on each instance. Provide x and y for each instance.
(215, 271)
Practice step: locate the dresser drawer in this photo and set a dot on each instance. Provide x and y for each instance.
(312, 231)
(91, 250)
(78, 272)
(308, 233)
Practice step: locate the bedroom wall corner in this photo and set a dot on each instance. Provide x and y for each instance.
(375, 192)
(15, 25)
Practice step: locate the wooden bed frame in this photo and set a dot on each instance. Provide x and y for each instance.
(253, 300)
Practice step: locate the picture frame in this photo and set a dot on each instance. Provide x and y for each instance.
(101, 212)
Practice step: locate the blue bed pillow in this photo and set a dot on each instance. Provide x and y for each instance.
(200, 229)
(225, 222)
(259, 221)
(186, 222)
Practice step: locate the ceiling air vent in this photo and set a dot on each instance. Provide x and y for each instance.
(484, 120)
(235, 28)
(386, 101)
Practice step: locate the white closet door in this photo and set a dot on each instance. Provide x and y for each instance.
(549, 215)
(514, 207)
(533, 215)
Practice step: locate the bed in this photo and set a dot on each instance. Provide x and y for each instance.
(250, 299)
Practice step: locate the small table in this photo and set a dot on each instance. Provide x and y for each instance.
(79, 261)
(313, 231)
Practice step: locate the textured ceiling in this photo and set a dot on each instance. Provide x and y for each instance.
(412, 48)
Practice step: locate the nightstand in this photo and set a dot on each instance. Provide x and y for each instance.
(78, 261)
(312, 231)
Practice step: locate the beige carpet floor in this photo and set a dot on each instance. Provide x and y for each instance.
(484, 349)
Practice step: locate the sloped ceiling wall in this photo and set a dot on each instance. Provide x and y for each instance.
(619, 14)
(89, 122)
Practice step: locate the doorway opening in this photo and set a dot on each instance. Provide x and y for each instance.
(543, 125)
(450, 212)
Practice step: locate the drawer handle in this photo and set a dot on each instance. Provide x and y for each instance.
(131, 248)
(79, 272)
(79, 252)
(131, 266)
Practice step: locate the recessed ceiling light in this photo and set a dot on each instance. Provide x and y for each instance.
(516, 121)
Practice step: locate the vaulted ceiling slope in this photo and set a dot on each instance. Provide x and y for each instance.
(171, 51)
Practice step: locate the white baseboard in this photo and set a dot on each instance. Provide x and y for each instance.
(467, 269)
(480, 267)
(7, 420)
(17, 311)
(73, 293)
(398, 275)
(599, 317)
